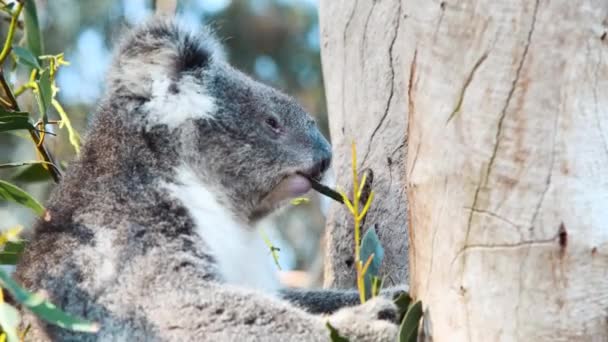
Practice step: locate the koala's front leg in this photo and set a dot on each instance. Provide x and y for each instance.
(325, 301)
(225, 313)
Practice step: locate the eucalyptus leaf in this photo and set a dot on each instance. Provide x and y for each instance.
(26, 57)
(15, 122)
(9, 320)
(403, 303)
(32, 28)
(370, 244)
(9, 258)
(4, 112)
(13, 193)
(408, 330)
(334, 335)
(35, 172)
(44, 309)
(45, 94)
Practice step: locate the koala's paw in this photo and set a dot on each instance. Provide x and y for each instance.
(373, 321)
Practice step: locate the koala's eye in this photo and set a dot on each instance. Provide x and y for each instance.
(272, 123)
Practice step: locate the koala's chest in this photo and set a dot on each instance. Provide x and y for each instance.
(241, 255)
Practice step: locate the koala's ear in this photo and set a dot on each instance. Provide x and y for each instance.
(167, 42)
(196, 50)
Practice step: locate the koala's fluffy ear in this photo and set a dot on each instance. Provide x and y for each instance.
(166, 43)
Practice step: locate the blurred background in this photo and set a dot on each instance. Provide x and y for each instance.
(275, 41)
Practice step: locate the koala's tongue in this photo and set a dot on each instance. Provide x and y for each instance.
(296, 185)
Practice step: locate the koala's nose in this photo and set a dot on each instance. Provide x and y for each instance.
(322, 160)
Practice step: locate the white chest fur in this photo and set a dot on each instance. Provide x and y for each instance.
(240, 252)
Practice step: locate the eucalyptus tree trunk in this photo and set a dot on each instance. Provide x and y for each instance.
(506, 105)
(365, 81)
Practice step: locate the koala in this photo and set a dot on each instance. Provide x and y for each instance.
(151, 232)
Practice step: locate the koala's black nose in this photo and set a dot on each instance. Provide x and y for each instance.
(321, 164)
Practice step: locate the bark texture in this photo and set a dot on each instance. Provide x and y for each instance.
(365, 69)
(508, 169)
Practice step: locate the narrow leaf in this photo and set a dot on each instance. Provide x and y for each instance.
(408, 331)
(370, 245)
(33, 173)
(15, 122)
(44, 94)
(23, 163)
(44, 309)
(334, 335)
(32, 28)
(26, 57)
(12, 193)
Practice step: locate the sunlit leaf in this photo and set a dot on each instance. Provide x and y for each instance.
(299, 200)
(10, 234)
(32, 28)
(26, 57)
(44, 309)
(9, 320)
(65, 121)
(12, 193)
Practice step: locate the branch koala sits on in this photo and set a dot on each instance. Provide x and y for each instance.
(151, 233)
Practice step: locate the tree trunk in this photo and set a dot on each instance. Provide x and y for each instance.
(508, 169)
(365, 80)
(505, 105)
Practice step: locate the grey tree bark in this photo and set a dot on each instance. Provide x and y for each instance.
(364, 67)
(506, 109)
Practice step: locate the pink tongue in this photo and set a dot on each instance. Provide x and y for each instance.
(297, 185)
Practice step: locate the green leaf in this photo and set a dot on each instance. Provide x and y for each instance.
(9, 320)
(15, 122)
(44, 309)
(334, 335)
(370, 244)
(33, 173)
(403, 303)
(9, 258)
(45, 94)
(4, 112)
(26, 57)
(17, 246)
(408, 331)
(32, 28)
(12, 193)
(24, 163)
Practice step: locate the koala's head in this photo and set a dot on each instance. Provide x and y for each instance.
(250, 143)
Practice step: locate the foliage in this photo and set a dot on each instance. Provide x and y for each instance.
(370, 249)
(16, 59)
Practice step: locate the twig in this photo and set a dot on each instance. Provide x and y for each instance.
(325, 190)
(8, 44)
(42, 151)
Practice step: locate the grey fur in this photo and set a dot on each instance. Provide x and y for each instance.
(119, 249)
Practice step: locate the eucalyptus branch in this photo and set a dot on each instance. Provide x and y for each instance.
(35, 135)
